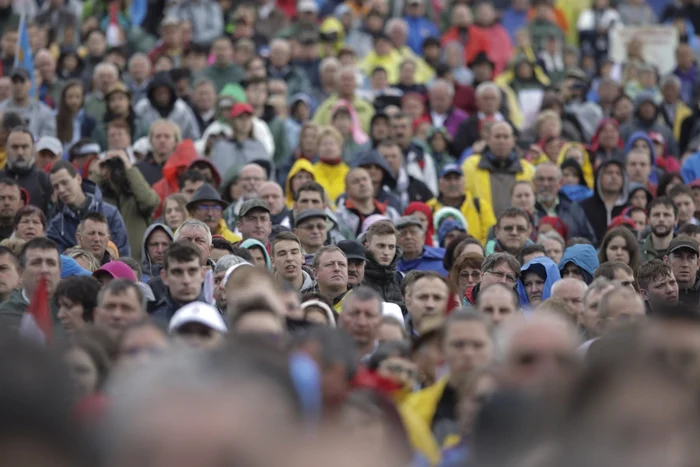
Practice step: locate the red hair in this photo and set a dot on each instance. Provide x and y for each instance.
(425, 209)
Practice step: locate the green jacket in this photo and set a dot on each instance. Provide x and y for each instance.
(223, 76)
(136, 200)
(647, 251)
(95, 106)
(541, 30)
(12, 310)
(279, 135)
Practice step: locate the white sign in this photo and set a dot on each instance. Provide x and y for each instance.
(658, 45)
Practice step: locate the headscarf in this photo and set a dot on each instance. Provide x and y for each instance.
(358, 134)
(425, 209)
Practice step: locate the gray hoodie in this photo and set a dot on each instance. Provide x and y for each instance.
(150, 270)
(39, 117)
(227, 153)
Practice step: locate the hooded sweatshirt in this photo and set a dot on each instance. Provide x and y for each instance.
(587, 167)
(252, 243)
(384, 279)
(385, 196)
(646, 126)
(654, 175)
(149, 269)
(544, 267)
(584, 257)
(300, 165)
(442, 214)
(596, 211)
(176, 110)
(176, 164)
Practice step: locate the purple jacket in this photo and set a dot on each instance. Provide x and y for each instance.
(455, 117)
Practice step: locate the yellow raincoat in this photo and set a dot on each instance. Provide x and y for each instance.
(424, 404)
(332, 178)
(301, 164)
(587, 165)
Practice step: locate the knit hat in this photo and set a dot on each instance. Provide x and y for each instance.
(448, 226)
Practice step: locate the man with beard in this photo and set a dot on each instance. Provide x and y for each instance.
(21, 168)
(609, 198)
(10, 202)
(357, 259)
(207, 206)
(682, 256)
(658, 286)
(382, 256)
(552, 202)
(662, 220)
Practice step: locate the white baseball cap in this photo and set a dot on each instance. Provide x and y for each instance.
(198, 312)
(393, 310)
(49, 143)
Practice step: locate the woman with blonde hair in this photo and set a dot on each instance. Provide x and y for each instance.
(175, 211)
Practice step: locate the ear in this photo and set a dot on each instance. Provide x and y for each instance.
(238, 225)
(666, 259)
(315, 271)
(164, 276)
(644, 294)
(79, 178)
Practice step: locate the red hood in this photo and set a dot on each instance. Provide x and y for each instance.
(179, 161)
(594, 140)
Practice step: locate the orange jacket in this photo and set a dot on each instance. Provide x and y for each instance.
(178, 162)
(476, 43)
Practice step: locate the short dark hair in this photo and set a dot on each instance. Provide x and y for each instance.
(119, 123)
(7, 181)
(681, 190)
(608, 269)
(689, 229)
(282, 237)
(38, 243)
(62, 164)
(119, 287)
(94, 216)
(81, 290)
(222, 244)
(11, 120)
(654, 269)
(193, 176)
(181, 251)
(531, 249)
(511, 212)
(243, 253)
(21, 128)
(310, 186)
(28, 211)
(387, 350)
(662, 201)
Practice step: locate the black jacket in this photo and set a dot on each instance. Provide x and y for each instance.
(691, 296)
(36, 182)
(573, 216)
(385, 279)
(598, 215)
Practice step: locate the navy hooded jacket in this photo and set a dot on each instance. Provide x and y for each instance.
(551, 272)
(385, 196)
(64, 225)
(584, 257)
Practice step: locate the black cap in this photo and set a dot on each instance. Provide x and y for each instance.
(206, 193)
(353, 250)
(251, 204)
(431, 41)
(680, 243)
(20, 73)
(309, 214)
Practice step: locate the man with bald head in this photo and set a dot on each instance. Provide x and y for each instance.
(345, 89)
(499, 302)
(279, 68)
(272, 194)
(550, 201)
(48, 85)
(539, 351)
(251, 177)
(571, 291)
(490, 176)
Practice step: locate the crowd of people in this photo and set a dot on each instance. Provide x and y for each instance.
(371, 232)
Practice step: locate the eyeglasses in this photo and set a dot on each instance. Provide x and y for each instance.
(208, 207)
(311, 227)
(503, 275)
(514, 228)
(467, 275)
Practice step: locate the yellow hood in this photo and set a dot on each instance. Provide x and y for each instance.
(299, 165)
(587, 165)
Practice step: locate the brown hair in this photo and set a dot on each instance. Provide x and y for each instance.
(119, 123)
(467, 260)
(283, 237)
(653, 270)
(631, 246)
(379, 229)
(64, 116)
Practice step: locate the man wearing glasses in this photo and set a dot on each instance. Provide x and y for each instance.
(497, 268)
(512, 231)
(311, 226)
(207, 206)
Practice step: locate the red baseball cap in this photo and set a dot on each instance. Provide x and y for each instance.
(240, 109)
